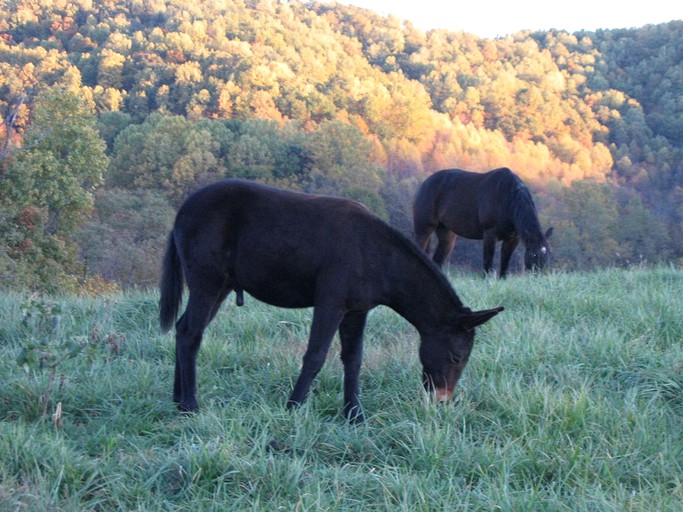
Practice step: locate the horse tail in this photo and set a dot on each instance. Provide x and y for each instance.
(171, 286)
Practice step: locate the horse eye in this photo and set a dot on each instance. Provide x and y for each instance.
(455, 359)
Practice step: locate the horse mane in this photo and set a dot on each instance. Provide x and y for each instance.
(524, 212)
(415, 251)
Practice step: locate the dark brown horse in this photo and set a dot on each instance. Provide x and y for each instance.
(492, 206)
(296, 250)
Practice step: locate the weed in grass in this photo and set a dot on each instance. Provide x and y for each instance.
(44, 351)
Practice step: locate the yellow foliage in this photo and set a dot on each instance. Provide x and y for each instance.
(94, 286)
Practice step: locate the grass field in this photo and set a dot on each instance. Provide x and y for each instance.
(572, 401)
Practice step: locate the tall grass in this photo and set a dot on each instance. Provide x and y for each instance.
(572, 401)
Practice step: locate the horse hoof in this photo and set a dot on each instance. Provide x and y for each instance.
(276, 446)
(188, 408)
(358, 419)
(354, 415)
(292, 404)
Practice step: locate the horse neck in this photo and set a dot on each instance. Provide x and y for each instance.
(419, 292)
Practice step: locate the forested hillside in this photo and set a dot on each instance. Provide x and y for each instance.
(114, 110)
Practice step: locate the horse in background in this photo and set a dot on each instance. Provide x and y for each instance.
(296, 250)
(493, 206)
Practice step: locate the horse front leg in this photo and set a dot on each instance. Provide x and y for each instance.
(508, 247)
(326, 320)
(351, 336)
(490, 240)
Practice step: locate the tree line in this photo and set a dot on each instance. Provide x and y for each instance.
(114, 111)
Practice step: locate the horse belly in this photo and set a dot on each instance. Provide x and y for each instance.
(459, 218)
(282, 292)
(276, 279)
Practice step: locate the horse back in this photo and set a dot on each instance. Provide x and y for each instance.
(465, 202)
(277, 245)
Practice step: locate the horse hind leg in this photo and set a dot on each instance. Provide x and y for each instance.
(422, 234)
(201, 308)
(444, 249)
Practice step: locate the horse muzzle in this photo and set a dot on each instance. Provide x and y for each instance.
(442, 395)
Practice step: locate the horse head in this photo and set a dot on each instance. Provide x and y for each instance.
(445, 353)
(537, 252)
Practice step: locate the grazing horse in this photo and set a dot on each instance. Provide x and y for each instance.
(492, 206)
(296, 250)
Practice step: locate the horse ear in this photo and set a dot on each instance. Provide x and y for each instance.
(549, 233)
(471, 319)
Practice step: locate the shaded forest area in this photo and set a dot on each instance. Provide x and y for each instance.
(113, 111)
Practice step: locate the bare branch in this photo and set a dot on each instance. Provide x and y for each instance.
(8, 124)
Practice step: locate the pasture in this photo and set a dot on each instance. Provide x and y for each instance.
(572, 401)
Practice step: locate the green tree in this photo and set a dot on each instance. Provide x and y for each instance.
(641, 236)
(47, 191)
(338, 161)
(586, 217)
(110, 124)
(251, 158)
(125, 239)
(264, 150)
(166, 153)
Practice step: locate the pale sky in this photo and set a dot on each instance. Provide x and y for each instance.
(492, 18)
